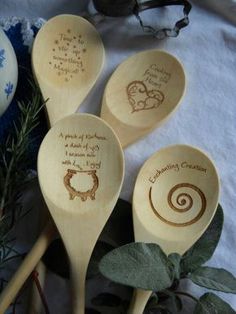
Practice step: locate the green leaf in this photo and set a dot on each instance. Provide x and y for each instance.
(209, 303)
(214, 278)
(138, 265)
(175, 259)
(175, 301)
(204, 248)
(101, 249)
(157, 309)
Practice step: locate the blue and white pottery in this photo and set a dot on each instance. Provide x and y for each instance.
(8, 72)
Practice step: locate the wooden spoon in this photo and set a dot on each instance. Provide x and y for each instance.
(8, 72)
(67, 58)
(80, 169)
(175, 198)
(142, 93)
(65, 80)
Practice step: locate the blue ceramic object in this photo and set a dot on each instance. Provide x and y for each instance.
(8, 72)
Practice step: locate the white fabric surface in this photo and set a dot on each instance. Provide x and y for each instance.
(207, 115)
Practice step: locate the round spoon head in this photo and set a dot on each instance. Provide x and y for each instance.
(80, 169)
(142, 93)
(175, 197)
(67, 58)
(8, 72)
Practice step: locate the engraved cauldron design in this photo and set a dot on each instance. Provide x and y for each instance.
(140, 98)
(82, 194)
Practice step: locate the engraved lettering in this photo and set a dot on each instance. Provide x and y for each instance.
(67, 55)
(194, 167)
(158, 172)
(175, 167)
(82, 163)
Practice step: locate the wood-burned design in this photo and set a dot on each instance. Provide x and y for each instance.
(73, 192)
(140, 98)
(67, 55)
(184, 202)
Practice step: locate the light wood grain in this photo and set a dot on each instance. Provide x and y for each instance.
(80, 169)
(142, 93)
(126, 133)
(64, 97)
(26, 267)
(175, 198)
(67, 58)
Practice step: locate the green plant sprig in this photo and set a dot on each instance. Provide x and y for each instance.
(15, 174)
(13, 155)
(146, 266)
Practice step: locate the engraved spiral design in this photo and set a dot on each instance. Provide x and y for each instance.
(183, 203)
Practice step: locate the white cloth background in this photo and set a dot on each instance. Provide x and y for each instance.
(207, 115)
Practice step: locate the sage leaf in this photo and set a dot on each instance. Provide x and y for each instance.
(101, 249)
(210, 303)
(204, 248)
(138, 265)
(175, 301)
(175, 259)
(214, 278)
(157, 309)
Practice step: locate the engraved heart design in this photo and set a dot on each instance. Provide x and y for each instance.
(140, 98)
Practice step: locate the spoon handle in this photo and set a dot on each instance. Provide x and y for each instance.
(139, 301)
(79, 251)
(27, 266)
(78, 275)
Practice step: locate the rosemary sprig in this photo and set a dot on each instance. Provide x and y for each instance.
(15, 173)
(14, 154)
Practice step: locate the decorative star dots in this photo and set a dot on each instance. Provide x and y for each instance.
(66, 58)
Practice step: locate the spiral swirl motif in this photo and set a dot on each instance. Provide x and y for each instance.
(184, 202)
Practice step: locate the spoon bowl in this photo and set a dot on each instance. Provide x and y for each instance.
(67, 58)
(80, 169)
(175, 198)
(142, 93)
(8, 72)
